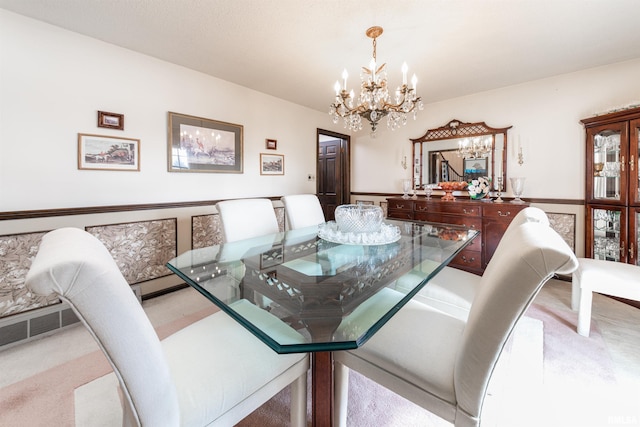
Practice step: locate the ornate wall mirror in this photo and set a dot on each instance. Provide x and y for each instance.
(460, 151)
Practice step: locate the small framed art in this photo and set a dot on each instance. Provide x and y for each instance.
(271, 144)
(99, 152)
(110, 120)
(271, 164)
(196, 144)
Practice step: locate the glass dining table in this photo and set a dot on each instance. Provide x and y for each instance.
(302, 291)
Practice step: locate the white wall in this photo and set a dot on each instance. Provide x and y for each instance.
(545, 116)
(53, 82)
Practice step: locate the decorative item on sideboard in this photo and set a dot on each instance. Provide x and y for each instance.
(449, 187)
(428, 190)
(517, 186)
(498, 190)
(478, 188)
(406, 187)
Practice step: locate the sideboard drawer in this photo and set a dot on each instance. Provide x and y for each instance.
(466, 209)
(422, 206)
(505, 211)
(472, 223)
(399, 214)
(468, 259)
(403, 205)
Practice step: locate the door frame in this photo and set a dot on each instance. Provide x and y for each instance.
(345, 162)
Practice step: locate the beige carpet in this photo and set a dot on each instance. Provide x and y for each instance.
(548, 375)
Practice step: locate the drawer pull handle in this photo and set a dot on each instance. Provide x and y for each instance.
(508, 213)
(468, 261)
(472, 226)
(469, 212)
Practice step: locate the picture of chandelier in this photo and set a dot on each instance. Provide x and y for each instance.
(374, 102)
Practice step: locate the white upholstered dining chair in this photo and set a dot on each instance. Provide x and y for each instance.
(247, 218)
(453, 290)
(444, 363)
(212, 372)
(302, 210)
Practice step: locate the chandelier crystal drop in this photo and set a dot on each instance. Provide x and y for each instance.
(374, 102)
(474, 148)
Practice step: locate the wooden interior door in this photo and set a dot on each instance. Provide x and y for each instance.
(333, 183)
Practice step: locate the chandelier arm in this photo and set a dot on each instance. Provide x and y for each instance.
(398, 107)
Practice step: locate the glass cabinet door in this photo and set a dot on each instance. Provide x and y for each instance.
(608, 154)
(608, 228)
(634, 235)
(634, 149)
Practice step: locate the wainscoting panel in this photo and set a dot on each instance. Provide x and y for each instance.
(16, 255)
(141, 249)
(565, 225)
(205, 231)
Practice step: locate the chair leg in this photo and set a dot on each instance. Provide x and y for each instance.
(584, 312)
(299, 401)
(575, 293)
(341, 394)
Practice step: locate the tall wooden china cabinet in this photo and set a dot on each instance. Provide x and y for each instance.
(436, 157)
(612, 192)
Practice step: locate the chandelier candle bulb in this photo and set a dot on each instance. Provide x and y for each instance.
(344, 78)
(404, 73)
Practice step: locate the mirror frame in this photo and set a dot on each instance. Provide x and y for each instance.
(456, 129)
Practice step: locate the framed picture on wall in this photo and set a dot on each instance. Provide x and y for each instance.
(271, 144)
(110, 120)
(99, 152)
(271, 164)
(196, 144)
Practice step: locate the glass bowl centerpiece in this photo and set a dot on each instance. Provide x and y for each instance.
(359, 225)
(479, 188)
(359, 218)
(449, 187)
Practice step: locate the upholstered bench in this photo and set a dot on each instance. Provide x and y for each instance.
(605, 277)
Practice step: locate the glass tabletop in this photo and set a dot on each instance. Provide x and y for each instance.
(298, 292)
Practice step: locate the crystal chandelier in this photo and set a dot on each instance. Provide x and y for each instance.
(374, 102)
(474, 148)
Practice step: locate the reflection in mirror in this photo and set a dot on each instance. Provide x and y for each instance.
(459, 151)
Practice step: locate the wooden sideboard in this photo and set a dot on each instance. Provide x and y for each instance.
(492, 219)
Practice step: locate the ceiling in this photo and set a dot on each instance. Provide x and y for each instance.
(297, 49)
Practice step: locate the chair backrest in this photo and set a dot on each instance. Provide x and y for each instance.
(247, 218)
(528, 214)
(302, 210)
(526, 258)
(78, 268)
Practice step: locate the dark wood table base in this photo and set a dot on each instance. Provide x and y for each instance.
(322, 389)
